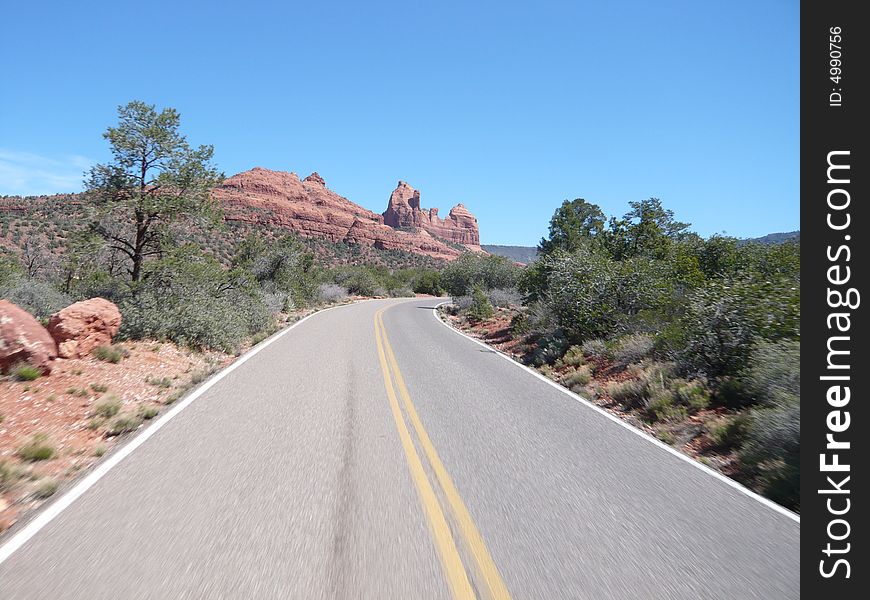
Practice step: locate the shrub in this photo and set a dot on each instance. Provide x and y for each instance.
(471, 269)
(504, 298)
(480, 308)
(10, 475)
(99, 387)
(693, 394)
(772, 451)
(123, 424)
(189, 298)
(728, 432)
(25, 372)
(109, 406)
(461, 303)
(774, 375)
(161, 382)
(110, 353)
(148, 412)
(328, 293)
(631, 392)
(36, 297)
(632, 348)
(573, 358)
(578, 377)
(38, 448)
(45, 489)
(594, 347)
(428, 282)
(662, 406)
(549, 348)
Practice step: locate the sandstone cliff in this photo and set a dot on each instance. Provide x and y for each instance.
(403, 210)
(308, 207)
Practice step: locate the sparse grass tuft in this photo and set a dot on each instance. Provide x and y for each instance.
(99, 387)
(148, 412)
(108, 407)
(577, 378)
(10, 474)
(99, 451)
(45, 489)
(162, 382)
(124, 423)
(38, 448)
(110, 353)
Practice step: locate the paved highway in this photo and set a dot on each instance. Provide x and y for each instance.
(371, 452)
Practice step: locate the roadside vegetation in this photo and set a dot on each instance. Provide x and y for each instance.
(696, 340)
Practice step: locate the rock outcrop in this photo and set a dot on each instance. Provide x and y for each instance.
(404, 210)
(307, 207)
(24, 340)
(81, 327)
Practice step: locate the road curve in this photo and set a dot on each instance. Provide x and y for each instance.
(370, 452)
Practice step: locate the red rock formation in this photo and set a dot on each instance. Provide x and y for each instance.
(309, 208)
(81, 327)
(403, 210)
(23, 339)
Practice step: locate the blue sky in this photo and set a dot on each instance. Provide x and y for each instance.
(509, 108)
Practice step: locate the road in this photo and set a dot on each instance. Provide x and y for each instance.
(371, 452)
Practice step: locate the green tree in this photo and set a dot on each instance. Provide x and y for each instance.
(155, 178)
(480, 309)
(648, 229)
(573, 225)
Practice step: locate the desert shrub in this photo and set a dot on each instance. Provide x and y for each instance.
(428, 282)
(480, 308)
(548, 348)
(25, 372)
(488, 271)
(109, 406)
(504, 298)
(110, 353)
(772, 450)
(45, 489)
(631, 348)
(594, 347)
(36, 297)
(37, 448)
(191, 299)
(693, 393)
(328, 293)
(578, 377)
(631, 392)
(358, 281)
(402, 292)
(124, 423)
(774, 376)
(10, 474)
(573, 358)
(662, 405)
(729, 431)
(147, 412)
(461, 304)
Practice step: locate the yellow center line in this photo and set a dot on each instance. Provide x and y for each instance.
(454, 570)
(495, 586)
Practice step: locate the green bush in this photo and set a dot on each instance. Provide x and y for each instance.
(693, 394)
(728, 432)
(471, 269)
(191, 299)
(124, 423)
(573, 358)
(36, 297)
(662, 406)
(631, 392)
(480, 308)
(631, 348)
(25, 372)
(428, 282)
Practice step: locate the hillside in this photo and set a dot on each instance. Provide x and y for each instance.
(274, 203)
(776, 238)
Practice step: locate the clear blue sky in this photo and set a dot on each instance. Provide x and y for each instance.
(509, 108)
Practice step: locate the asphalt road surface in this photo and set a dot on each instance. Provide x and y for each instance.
(371, 452)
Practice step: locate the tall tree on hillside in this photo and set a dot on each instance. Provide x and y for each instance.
(573, 225)
(155, 179)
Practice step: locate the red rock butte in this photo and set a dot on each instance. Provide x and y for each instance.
(307, 207)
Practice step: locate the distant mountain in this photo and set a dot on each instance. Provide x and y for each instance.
(520, 254)
(776, 238)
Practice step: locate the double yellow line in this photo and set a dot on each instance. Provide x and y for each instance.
(491, 584)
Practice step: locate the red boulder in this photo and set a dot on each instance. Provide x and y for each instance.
(24, 340)
(81, 327)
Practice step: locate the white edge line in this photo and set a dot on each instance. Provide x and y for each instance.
(727, 480)
(62, 503)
